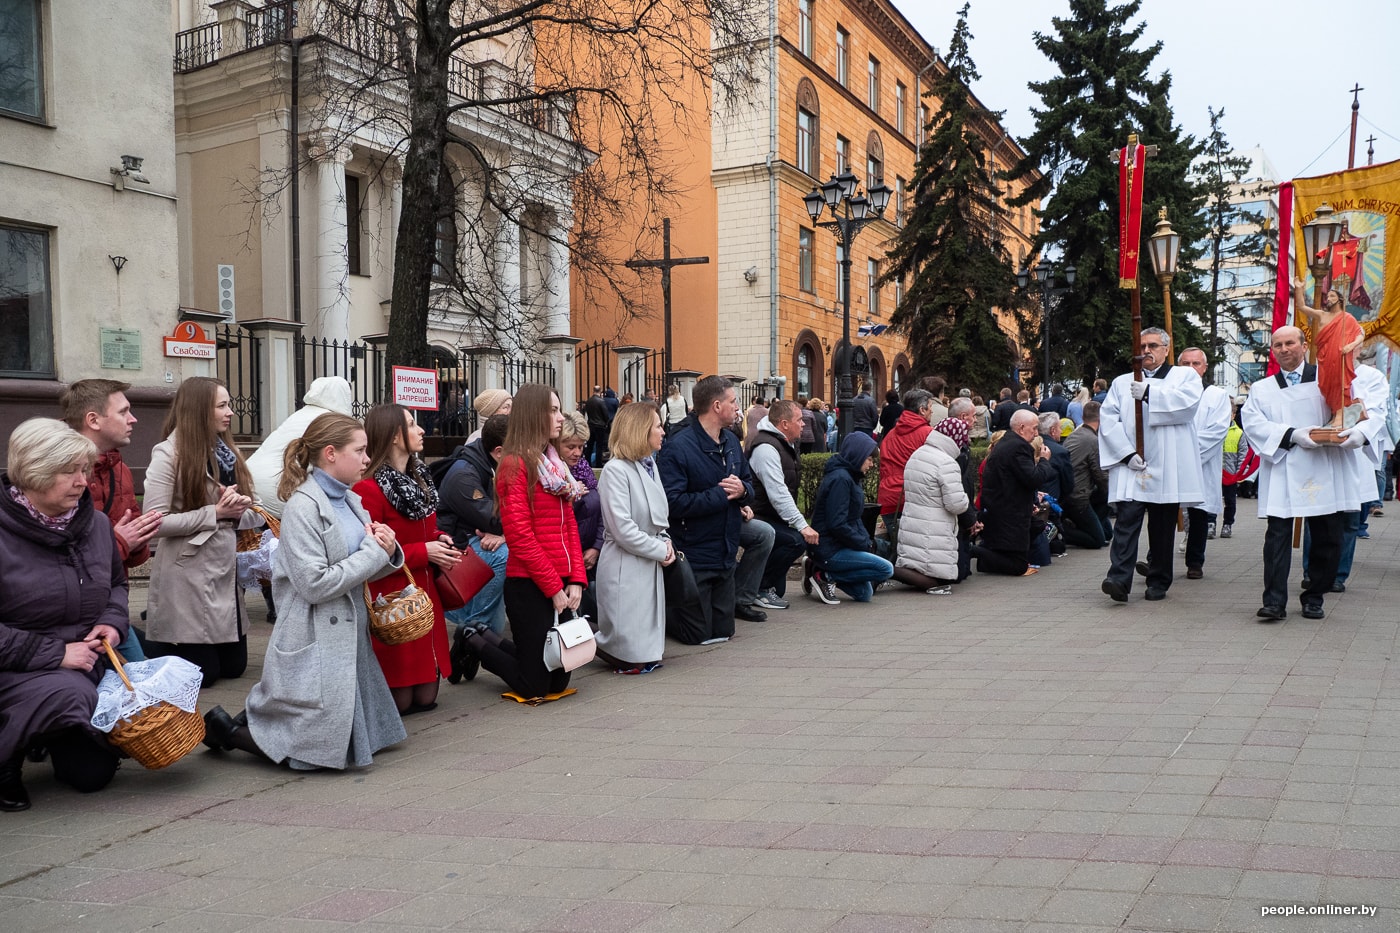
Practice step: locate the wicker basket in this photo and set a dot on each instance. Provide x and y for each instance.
(250, 539)
(405, 618)
(159, 735)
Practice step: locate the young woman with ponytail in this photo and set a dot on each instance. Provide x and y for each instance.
(322, 701)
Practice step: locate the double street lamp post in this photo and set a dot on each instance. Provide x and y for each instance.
(850, 213)
(1044, 275)
(1164, 246)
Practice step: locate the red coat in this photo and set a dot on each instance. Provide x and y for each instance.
(418, 661)
(907, 436)
(540, 530)
(113, 493)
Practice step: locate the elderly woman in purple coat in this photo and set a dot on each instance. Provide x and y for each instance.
(62, 592)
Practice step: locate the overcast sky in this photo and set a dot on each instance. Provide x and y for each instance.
(1250, 57)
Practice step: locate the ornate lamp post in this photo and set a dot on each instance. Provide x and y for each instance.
(1164, 245)
(850, 213)
(1318, 236)
(1044, 274)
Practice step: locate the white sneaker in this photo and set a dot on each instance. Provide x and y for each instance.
(1210, 532)
(769, 599)
(1227, 530)
(944, 590)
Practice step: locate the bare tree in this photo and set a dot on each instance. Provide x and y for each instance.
(548, 120)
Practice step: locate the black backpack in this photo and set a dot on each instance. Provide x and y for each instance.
(439, 469)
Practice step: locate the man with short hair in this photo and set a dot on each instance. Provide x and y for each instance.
(708, 487)
(1100, 390)
(1011, 474)
(1154, 485)
(756, 413)
(1056, 403)
(908, 435)
(1086, 522)
(99, 410)
(864, 414)
(1001, 421)
(1212, 423)
(1298, 477)
(1060, 483)
(776, 472)
(599, 422)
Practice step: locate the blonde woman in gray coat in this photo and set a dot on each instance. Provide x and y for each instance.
(934, 497)
(322, 701)
(631, 587)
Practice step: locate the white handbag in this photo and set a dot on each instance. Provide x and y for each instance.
(569, 645)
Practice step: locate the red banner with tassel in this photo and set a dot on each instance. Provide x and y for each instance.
(1283, 282)
(1132, 163)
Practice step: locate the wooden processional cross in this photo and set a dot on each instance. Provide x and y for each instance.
(665, 263)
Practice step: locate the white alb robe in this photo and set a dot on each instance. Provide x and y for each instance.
(1212, 424)
(1173, 473)
(1371, 388)
(1298, 482)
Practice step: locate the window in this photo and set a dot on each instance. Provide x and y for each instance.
(1251, 372)
(806, 142)
(843, 155)
(872, 271)
(872, 84)
(352, 224)
(843, 57)
(923, 121)
(803, 375)
(804, 260)
(899, 217)
(898, 293)
(804, 27)
(445, 238)
(26, 321)
(874, 172)
(21, 61)
(840, 277)
(900, 105)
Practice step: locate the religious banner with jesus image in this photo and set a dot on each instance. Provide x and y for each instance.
(1366, 202)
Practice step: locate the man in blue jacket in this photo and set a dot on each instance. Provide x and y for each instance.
(708, 485)
(843, 554)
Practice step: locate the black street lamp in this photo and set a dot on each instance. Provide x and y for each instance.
(1044, 275)
(850, 212)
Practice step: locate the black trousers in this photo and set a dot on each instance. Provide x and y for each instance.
(716, 602)
(229, 659)
(1326, 534)
(1197, 524)
(1009, 563)
(519, 661)
(79, 760)
(1161, 532)
(1081, 526)
(788, 546)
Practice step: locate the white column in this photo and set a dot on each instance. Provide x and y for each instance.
(556, 275)
(332, 312)
(508, 328)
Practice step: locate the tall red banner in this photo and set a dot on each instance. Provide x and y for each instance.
(1132, 163)
(1283, 283)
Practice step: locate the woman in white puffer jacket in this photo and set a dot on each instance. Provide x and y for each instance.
(934, 497)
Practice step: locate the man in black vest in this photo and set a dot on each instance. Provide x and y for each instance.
(773, 461)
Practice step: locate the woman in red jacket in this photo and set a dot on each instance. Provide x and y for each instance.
(544, 571)
(398, 492)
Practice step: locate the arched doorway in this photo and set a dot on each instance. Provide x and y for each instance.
(808, 367)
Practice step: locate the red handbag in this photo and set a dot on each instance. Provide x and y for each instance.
(457, 586)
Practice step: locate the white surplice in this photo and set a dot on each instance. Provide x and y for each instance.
(1212, 424)
(1173, 471)
(1371, 388)
(1297, 482)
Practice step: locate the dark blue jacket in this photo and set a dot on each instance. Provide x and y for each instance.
(1056, 403)
(705, 523)
(841, 499)
(1060, 483)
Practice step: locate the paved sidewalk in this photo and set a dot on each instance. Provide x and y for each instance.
(1024, 755)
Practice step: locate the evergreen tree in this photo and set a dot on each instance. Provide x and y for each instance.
(1102, 93)
(950, 250)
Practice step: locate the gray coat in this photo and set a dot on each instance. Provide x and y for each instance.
(631, 589)
(194, 596)
(320, 680)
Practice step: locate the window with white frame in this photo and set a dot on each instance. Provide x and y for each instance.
(21, 58)
(899, 215)
(806, 142)
(843, 155)
(805, 16)
(804, 260)
(900, 105)
(872, 272)
(872, 84)
(843, 57)
(26, 312)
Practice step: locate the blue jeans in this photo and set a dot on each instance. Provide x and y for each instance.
(489, 605)
(856, 572)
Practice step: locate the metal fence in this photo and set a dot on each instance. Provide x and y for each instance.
(361, 364)
(592, 367)
(238, 360)
(460, 377)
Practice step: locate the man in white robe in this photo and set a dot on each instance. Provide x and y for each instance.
(1166, 476)
(1212, 422)
(1298, 478)
(1370, 388)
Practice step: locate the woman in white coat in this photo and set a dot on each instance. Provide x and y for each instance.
(934, 497)
(631, 587)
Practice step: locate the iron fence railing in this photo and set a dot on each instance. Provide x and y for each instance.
(238, 361)
(360, 364)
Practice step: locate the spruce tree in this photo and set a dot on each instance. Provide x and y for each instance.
(950, 250)
(1102, 93)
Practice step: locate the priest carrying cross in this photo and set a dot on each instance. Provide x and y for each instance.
(1298, 478)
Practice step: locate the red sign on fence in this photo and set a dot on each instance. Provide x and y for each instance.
(416, 388)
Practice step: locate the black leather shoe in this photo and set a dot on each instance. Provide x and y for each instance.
(750, 614)
(1141, 568)
(219, 727)
(1272, 613)
(465, 661)
(1155, 595)
(1116, 590)
(13, 796)
(1339, 587)
(1194, 573)
(1313, 612)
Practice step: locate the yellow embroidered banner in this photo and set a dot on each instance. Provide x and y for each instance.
(1367, 204)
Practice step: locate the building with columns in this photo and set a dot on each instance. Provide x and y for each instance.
(288, 145)
(88, 213)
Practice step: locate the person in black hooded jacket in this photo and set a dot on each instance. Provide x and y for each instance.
(843, 555)
(1011, 474)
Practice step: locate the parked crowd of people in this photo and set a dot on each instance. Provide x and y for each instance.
(659, 518)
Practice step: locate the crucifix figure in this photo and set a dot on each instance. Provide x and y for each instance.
(664, 264)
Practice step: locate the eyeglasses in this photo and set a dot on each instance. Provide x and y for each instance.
(1153, 346)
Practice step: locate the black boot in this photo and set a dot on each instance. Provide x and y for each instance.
(13, 796)
(465, 661)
